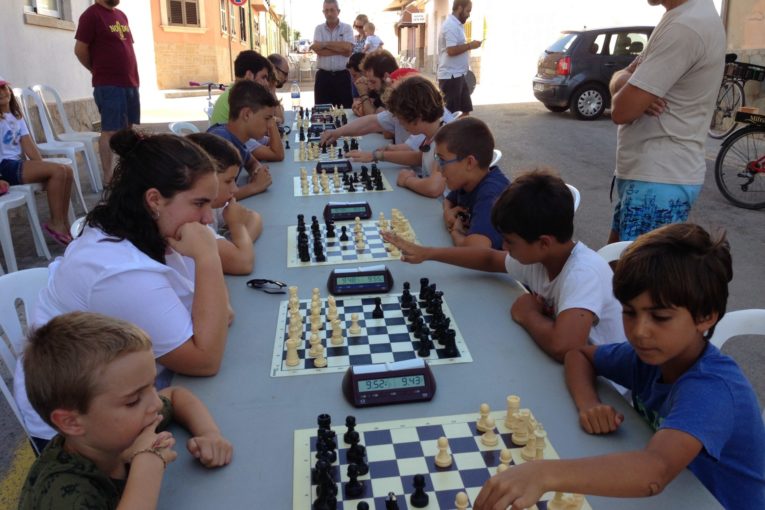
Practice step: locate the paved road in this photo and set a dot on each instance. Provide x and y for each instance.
(583, 153)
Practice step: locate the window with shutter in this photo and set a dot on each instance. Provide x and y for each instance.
(243, 23)
(175, 12)
(192, 18)
(183, 12)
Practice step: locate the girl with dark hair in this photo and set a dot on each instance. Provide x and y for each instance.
(146, 256)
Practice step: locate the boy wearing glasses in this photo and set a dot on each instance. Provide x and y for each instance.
(281, 75)
(570, 302)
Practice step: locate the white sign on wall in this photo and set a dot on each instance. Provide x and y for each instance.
(418, 17)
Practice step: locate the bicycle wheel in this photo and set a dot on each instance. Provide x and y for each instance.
(740, 168)
(729, 100)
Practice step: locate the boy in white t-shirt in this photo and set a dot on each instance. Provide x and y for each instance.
(570, 300)
(372, 42)
(244, 226)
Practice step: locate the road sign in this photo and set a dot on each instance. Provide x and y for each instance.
(239, 2)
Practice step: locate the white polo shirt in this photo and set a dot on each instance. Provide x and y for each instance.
(452, 34)
(342, 32)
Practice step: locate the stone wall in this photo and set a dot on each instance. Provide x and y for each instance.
(177, 64)
(755, 90)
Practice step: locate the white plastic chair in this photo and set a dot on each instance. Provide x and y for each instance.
(305, 65)
(182, 128)
(613, 251)
(88, 138)
(740, 322)
(53, 148)
(577, 196)
(25, 286)
(76, 229)
(34, 219)
(495, 158)
(12, 200)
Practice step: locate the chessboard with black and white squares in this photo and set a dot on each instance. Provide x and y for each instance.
(385, 340)
(396, 451)
(340, 183)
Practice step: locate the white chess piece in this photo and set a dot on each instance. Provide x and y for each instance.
(481, 425)
(521, 431)
(319, 360)
(316, 346)
(355, 329)
(540, 440)
(461, 501)
(505, 456)
(513, 406)
(337, 333)
(292, 355)
(490, 438)
(443, 457)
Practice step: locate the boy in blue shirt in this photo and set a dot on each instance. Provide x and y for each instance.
(464, 149)
(673, 286)
(251, 110)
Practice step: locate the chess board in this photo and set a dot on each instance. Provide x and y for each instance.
(380, 341)
(323, 158)
(341, 252)
(334, 190)
(398, 450)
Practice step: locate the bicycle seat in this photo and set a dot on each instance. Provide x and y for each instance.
(730, 57)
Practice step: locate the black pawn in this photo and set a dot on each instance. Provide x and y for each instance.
(377, 313)
(286, 144)
(363, 505)
(390, 502)
(424, 350)
(343, 233)
(351, 188)
(368, 185)
(406, 296)
(350, 422)
(419, 499)
(353, 488)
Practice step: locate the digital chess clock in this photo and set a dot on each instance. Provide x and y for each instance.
(362, 280)
(345, 211)
(389, 383)
(342, 165)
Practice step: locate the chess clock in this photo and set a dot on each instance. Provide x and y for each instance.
(346, 211)
(389, 383)
(362, 280)
(342, 165)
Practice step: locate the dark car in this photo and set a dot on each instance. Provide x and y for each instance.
(574, 72)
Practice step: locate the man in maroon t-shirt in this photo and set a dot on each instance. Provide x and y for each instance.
(105, 47)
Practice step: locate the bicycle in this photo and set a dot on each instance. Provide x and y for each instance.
(731, 96)
(210, 86)
(740, 164)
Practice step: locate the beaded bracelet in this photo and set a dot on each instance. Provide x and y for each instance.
(155, 451)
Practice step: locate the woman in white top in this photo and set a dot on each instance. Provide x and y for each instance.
(146, 256)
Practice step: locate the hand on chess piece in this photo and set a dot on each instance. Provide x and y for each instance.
(410, 252)
(600, 419)
(404, 175)
(328, 136)
(360, 156)
(261, 177)
(519, 487)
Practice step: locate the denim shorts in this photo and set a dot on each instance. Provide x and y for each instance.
(118, 106)
(644, 206)
(11, 170)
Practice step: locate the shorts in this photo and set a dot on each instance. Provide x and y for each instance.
(456, 94)
(118, 106)
(11, 170)
(644, 206)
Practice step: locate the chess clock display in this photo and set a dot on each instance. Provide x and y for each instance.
(389, 383)
(346, 211)
(362, 280)
(342, 165)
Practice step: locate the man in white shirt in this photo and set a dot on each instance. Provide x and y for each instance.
(454, 58)
(333, 43)
(663, 103)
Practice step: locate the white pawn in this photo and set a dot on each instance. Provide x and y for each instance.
(540, 437)
(316, 347)
(292, 355)
(319, 360)
(355, 329)
(394, 251)
(490, 438)
(482, 425)
(443, 457)
(461, 501)
(337, 333)
(504, 460)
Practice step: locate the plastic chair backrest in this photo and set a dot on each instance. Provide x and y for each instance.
(77, 225)
(21, 99)
(44, 114)
(182, 128)
(613, 251)
(24, 285)
(740, 322)
(495, 157)
(577, 196)
(47, 89)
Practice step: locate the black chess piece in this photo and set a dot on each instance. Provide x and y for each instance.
(324, 420)
(330, 229)
(419, 499)
(450, 344)
(346, 147)
(319, 254)
(377, 313)
(406, 296)
(363, 505)
(390, 502)
(417, 327)
(343, 233)
(287, 144)
(368, 185)
(351, 188)
(424, 350)
(350, 423)
(379, 186)
(423, 288)
(324, 149)
(353, 487)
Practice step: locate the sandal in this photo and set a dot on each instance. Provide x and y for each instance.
(58, 237)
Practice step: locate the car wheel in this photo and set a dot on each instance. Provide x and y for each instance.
(556, 109)
(589, 102)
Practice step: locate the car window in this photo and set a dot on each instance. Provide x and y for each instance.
(623, 44)
(596, 48)
(563, 44)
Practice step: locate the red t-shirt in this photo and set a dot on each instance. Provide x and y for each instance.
(108, 36)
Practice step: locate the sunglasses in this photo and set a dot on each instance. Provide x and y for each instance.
(358, 26)
(267, 286)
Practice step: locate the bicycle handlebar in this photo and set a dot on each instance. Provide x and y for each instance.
(209, 84)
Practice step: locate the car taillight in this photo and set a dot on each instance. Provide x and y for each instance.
(563, 67)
